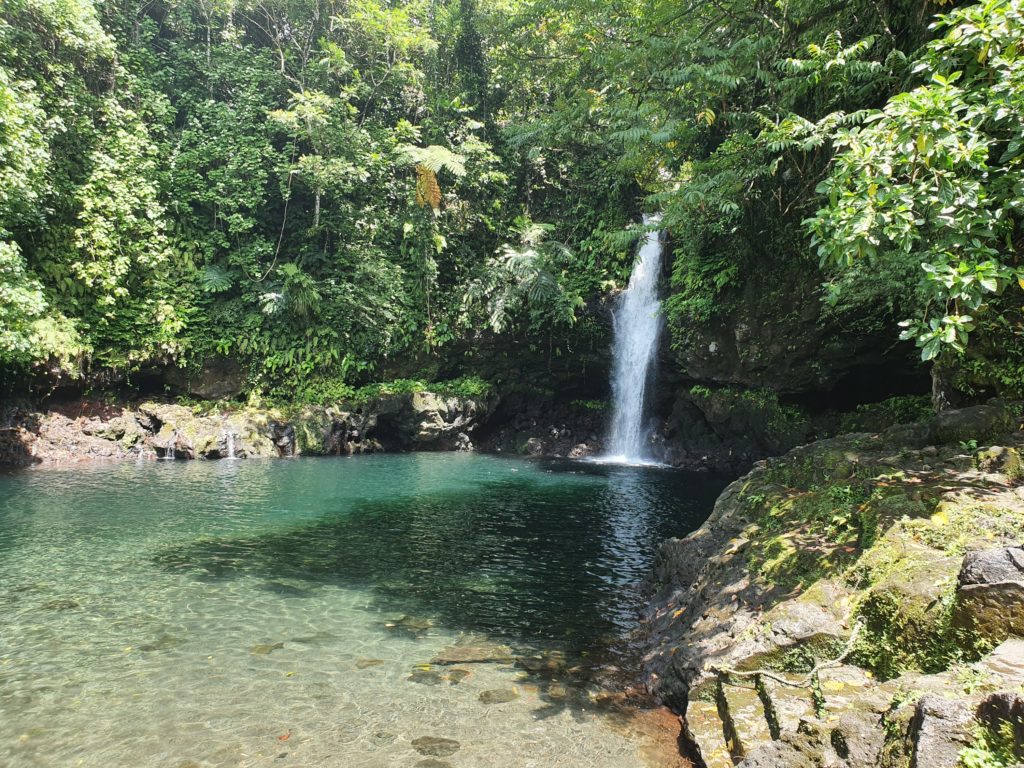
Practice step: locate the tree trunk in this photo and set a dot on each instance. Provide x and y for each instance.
(944, 395)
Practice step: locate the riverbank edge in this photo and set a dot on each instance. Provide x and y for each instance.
(89, 430)
(858, 601)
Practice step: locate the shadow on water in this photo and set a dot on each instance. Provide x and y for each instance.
(557, 562)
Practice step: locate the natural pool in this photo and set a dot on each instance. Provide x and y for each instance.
(328, 612)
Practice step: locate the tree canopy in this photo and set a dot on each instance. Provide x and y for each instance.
(316, 188)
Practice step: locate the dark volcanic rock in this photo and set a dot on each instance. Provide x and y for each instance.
(980, 423)
(992, 566)
(533, 426)
(990, 598)
(940, 730)
(776, 334)
(219, 377)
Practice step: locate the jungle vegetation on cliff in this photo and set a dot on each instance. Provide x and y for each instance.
(315, 188)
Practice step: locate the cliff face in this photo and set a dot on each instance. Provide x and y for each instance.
(774, 332)
(852, 603)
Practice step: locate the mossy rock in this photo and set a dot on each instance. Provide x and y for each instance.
(312, 428)
(999, 460)
(981, 423)
(990, 598)
(906, 610)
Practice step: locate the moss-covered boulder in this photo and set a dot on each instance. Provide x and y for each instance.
(836, 582)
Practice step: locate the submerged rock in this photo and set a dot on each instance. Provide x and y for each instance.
(162, 643)
(546, 664)
(474, 652)
(499, 696)
(426, 677)
(414, 626)
(367, 663)
(436, 746)
(61, 604)
(456, 675)
(263, 649)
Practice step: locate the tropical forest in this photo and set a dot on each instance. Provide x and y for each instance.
(511, 383)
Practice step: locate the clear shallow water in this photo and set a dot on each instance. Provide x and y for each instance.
(287, 612)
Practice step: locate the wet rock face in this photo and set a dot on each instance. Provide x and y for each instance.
(990, 596)
(728, 429)
(424, 421)
(540, 427)
(218, 378)
(775, 334)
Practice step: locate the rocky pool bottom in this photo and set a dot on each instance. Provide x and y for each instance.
(391, 610)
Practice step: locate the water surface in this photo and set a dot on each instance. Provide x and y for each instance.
(287, 613)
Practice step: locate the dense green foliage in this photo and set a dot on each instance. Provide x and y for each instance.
(318, 188)
(886, 136)
(310, 187)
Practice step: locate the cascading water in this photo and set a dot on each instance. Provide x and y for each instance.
(229, 438)
(637, 327)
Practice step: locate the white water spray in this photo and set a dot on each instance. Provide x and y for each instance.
(637, 327)
(229, 438)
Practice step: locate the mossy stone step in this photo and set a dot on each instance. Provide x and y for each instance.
(789, 704)
(745, 719)
(704, 729)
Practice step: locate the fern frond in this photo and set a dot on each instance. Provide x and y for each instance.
(215, 279)
(435, 158)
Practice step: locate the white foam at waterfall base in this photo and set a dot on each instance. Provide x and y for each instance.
(637, 328)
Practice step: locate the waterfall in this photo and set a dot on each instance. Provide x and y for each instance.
(637, 327)
(169, 450)
(230, 439)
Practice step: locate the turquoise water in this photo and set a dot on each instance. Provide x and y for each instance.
(327, 612)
